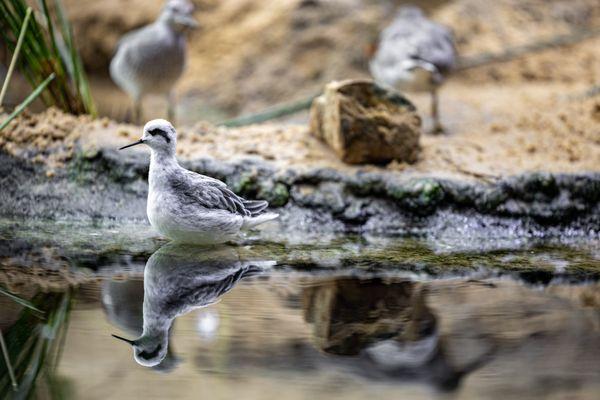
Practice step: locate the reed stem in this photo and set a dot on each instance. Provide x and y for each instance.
(13, 61)
(27, 101)
(11, 372)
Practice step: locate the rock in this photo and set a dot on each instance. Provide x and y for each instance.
(364, 123)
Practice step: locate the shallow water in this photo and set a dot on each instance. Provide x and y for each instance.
(262, 321)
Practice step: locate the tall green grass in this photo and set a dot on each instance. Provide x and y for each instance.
(48, 49)
(34, 344)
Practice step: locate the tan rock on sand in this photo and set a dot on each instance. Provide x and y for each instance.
(364, 123)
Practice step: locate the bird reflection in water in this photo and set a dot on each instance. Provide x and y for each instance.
(177, 279)
(384, 328)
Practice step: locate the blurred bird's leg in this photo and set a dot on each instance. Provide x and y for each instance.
(137, 110)
(437, 126)
(171, 107)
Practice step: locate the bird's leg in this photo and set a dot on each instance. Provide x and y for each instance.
(137, 110)
(437, 126)
(171, 107)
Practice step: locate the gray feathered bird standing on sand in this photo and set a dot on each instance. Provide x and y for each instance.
(151, 59)
(414, 53)
(179, 279)
(188, 207)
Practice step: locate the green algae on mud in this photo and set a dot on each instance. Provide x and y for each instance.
(534, 263)
(542, 199)
(107, 247)
(105, 184)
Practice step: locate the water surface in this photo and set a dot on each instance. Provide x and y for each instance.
(345, 318)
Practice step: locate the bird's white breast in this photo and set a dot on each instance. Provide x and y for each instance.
(149, 62)
(174, 216)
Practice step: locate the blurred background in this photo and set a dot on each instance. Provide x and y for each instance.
(251, 54)
(492, 309)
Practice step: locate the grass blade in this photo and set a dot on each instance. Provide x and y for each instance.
(52, 33)
(11, 371)
(48, 47)
(76, 66)
(34, 345)
(271, 113)
(20, 301)
(27, 101)
(15, 56)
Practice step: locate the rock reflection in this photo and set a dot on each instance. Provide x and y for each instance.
(388, 328)
(177, 279)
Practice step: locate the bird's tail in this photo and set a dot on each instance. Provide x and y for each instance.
(256, 267)
(251, 222)
(255, 206)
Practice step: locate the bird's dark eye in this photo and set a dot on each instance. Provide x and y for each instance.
(160, 132)
(149, 355)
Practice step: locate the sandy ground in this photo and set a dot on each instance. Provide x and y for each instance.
(244, 46)
(486, 137)
(528, 114)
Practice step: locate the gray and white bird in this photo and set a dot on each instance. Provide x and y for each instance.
(151, 59)
(122, 301)
(188, 207)
(179, 279)
(415, 54)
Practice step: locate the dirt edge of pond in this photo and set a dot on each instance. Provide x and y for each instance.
(60, 166)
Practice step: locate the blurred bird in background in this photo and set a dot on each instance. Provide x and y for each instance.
(415, 54)
(151, 59)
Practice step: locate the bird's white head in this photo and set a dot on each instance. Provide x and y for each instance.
(179, 15)
(159, 135)
(148, 351)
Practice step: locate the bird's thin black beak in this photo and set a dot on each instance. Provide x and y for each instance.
(132, 144)
(131, 342)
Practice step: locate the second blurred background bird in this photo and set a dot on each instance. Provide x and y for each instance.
(414, 53)
(151, 59)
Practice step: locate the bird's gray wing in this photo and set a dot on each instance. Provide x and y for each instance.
(214, 194)
(417, 39)
(132, 36)
(398, 39)
(435, 45)
(145, 47)
(209, 291)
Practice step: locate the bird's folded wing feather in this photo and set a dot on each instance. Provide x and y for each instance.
(142, 46)
(214, 194)
(418, 40)
(437, 47)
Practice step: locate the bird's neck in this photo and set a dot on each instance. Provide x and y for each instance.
(162, 162)
(164, 157)
(157, 320)
(166, 21)
(156, 325)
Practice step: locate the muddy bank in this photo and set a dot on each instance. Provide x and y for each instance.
(59, 166)
(54, 255)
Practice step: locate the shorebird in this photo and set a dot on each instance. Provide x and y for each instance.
(179, 279)
(122, 301)
(188, 207)
(151, 59)
(414, 53)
